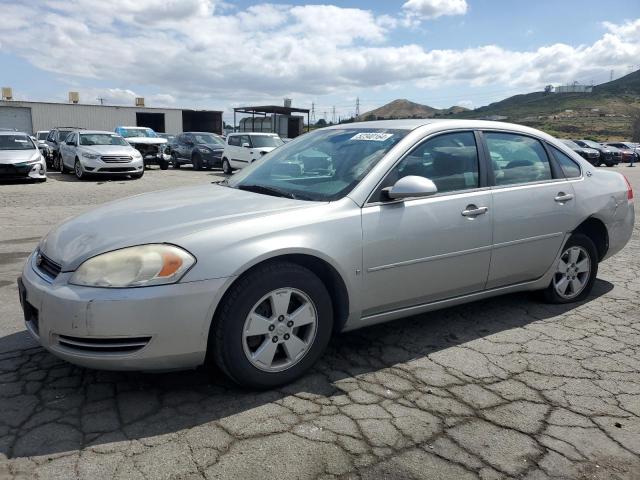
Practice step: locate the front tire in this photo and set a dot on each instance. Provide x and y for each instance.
(174, 161)
(61, 167)
(77, 169)
(575, 273)
(272, 326)
(196, 162)
(226, 167)
(164, 165)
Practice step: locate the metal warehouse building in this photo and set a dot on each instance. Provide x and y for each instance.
(34, 116)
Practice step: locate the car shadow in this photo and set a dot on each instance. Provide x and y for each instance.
(49, 406)
(71, 178)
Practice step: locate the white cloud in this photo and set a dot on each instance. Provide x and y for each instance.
(201, 52)
(427, 9)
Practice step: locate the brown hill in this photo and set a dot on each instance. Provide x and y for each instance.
(403, 108)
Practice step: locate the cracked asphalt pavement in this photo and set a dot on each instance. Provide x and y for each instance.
(502, 388)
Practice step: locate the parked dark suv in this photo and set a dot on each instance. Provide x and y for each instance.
(200, 149)
(609, 156)
(589, 154)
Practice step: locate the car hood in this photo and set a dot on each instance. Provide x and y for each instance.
(589, 150)
(265, 149)
(10, 157)
(146, 140)
(160, 217)
(210, 146)
(109, 149)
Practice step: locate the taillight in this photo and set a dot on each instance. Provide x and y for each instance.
(629, 189)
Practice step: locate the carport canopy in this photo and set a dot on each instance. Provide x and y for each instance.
(264, 110)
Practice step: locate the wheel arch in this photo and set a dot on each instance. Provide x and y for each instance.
(327, 273)
(596, 230)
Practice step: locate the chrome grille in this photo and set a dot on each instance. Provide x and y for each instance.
(116, 159)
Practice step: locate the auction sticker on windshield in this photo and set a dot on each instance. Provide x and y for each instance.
(372, 136)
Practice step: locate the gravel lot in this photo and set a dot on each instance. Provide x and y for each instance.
(501, 388)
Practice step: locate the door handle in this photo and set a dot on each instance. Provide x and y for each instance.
(563, 197)
(473, 211)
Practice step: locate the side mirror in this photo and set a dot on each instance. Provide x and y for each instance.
(246, 145)
(411, 186)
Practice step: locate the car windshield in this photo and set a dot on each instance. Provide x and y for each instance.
(102, 139)
(62, 134)
(262, 141)
(208, 139)
(138, 132)
(570, 143)
(324, 165)
(16, 142)
(42, 135)
(591, 143)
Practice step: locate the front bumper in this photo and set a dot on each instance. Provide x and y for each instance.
(98, 166)
(152, 328)
(36, 170)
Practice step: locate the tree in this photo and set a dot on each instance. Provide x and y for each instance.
(635, 127)
(321, 123)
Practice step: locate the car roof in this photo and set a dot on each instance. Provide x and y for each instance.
(265, 134)
(438, 123)
(107, 132)
(208, 133)
(124, 126)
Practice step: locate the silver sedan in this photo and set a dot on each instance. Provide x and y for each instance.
(339, 229)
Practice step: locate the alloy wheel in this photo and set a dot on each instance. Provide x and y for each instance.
(572, 272)
(279, 330)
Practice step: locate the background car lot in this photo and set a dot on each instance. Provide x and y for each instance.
(500, 388)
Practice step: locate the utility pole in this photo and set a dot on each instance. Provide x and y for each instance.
(325, 116)
(333, 114)
(101, 100)
(611, 75)
(357, 107)
(313, 112)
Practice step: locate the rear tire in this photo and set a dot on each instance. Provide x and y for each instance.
(164, 165)
(174, 161)
(226, 167)
(575, 273)
(264, 302)
(61, 167)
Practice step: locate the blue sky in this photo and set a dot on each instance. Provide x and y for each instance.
(214, 54)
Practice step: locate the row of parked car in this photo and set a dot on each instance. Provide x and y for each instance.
(128, 150)
(608, 153)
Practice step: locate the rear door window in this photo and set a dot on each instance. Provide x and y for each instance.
(517, 158)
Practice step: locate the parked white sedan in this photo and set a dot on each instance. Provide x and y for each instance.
(87, 152)
(341, 228)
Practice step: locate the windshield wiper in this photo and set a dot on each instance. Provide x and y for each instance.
(267, 190)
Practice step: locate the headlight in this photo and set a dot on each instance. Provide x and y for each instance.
(141, 266)
(136, 153)
(90, 156)
(203, 150)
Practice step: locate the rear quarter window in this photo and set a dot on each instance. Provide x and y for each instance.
(568, 166)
